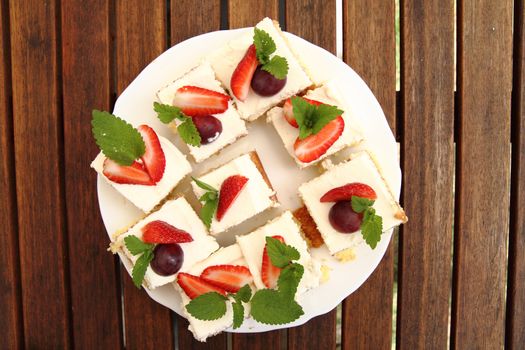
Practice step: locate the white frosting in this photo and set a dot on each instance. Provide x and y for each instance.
(178, 213)
(252, 246)
(147, 197)
(253, 199)
(361, 169)
(232, 125)
(225, 60)
(328, 94)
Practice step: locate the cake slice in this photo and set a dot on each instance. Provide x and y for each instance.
(238, 55)
(340, 133)
(331, 195)
(241, 190)
(220, 123)
(175, 221)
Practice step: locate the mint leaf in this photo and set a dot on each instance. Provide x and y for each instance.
(276, 66)
(238, 314)
(372, 227)
(289, 280)
(208, 196)
(140, 267)
(244, 294)
(203, 185)
(326, 114)
(116, 138)
(135, 245)
(280, 253)
(270, 307)
(312, 119)
(207, 307)
(188, 133)
(360, 204)
(207, 211)
(167, 113)
(264, 45)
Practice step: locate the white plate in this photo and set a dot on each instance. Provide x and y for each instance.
(135, 105)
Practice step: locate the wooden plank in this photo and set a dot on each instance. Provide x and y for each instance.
(483, 163)
(86, 58)
(186, 340)
(37, 124)
(428, 135)
(515, 337)
(369, 48)
(318, 333)
(10, 306)
(258, 341)
(140, 37)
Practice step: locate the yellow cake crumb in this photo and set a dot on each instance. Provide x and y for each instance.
(325, 273)
(345, 255)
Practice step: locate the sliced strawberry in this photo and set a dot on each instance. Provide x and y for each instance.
(194, 286)
(347, 191)
(159, 231)
(135, 174)
(228, 277)
(153, 159)
(269, 272)
(288, 110)
(199, 102)
(242, 75)
(314, 146)
(230, 189)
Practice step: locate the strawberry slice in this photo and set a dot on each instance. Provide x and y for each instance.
(199, 102)
(288, 110)
(194, 286)
(159, 231)
(228, 277)
(345, 193)
(153, 159)
(269, 272)
(230, 189)
(314, 146)
(242, 75)
(134, 174)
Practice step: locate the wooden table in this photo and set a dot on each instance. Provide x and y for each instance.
(459, 118)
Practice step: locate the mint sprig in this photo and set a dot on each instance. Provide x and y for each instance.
(187, 130)
(210, 199)
(264, 47)
(136, 247)
(310, 118)
(372, 224)
(280, 254)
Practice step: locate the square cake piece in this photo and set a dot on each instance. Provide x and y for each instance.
(327, 94)
(232, 125)
(252, 246)
(363, 170)
(177, 213)
(256, 196)
(225, 60)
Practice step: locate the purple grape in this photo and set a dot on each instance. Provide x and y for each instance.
(343, 218)
(209, 128)
(265, 84)
(167, 259)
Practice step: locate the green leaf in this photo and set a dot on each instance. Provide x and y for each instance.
(188, 133)
(360, 204)
(372, 227)
(140, 267)
(208, 196)
(326, 114)
(116, 138)
(207, 307)
(243, 294)
(208, 210)
(280, 253)
(276, 66)
(312, 119)
(264, 45)
(135, 245)
(271, 307)
(289, 280)
(203, 185)
(167, 113)
(238, 314)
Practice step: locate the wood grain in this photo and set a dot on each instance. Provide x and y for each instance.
(38, 150)
(85, 64)
(187, 341)
(318, 333)
(369, 48)
(483, 169)
(247, 13)
(10, 306)
(428, 163)
(258, 341)
(515, 336)
(140, 37)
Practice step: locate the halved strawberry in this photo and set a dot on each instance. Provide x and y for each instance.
(269, 272)
(159, 231)
(153, 159)
(228, 277)
(194, 286)
(242, 75)
(230, 189)
(134, 174)
(346, 192)
(314, 146)
(288, 110)
(199, 102)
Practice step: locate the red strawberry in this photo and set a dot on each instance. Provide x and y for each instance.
(242, 75)
(194, 286)
(269, 272)
(228, 277)
(230, 189)
(135, 174)
(153, 159)
(314, 146)
(199, 102)
(159, 231)
(288, 110)
(345, 193)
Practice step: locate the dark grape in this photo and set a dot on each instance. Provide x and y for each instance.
(265, 84)
(209, 128)
(167, 259)
(343, 218)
